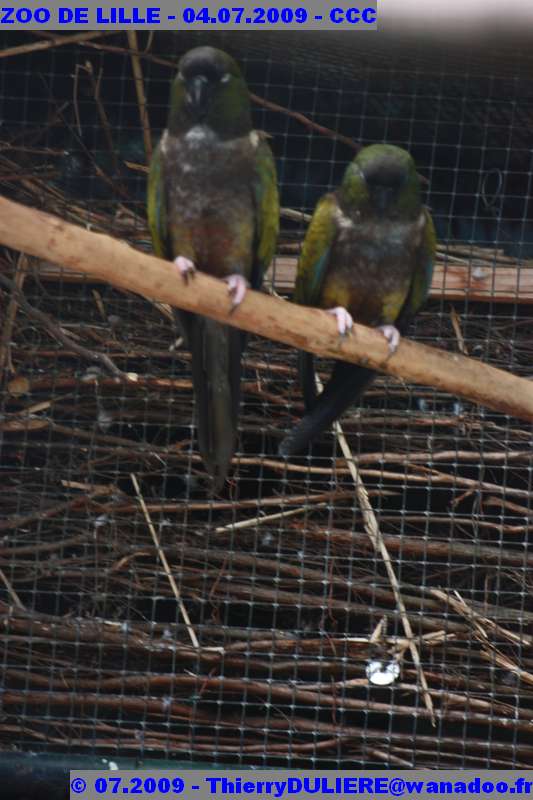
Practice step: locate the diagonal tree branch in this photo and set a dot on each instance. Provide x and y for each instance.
(104, 258)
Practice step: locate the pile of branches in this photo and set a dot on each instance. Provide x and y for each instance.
(255, 639)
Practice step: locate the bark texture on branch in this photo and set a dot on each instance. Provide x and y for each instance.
(103, 258)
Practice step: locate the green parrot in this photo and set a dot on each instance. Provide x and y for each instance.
(368, 255)
(213, 205)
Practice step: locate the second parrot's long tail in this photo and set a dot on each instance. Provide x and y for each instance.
(347, 383)
(216, 371)
(306, 373)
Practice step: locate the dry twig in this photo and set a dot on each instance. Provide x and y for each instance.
(58, 333)
(53, 41)
(164, 562)
(139, 88)
(374, 534)
(11, 313)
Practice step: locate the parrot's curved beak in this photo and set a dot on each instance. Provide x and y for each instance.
(198, 95)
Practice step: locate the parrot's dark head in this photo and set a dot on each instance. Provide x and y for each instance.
(210, 90)
(382, 180)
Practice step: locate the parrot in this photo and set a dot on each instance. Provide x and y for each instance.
(367, 255)
(213, 205)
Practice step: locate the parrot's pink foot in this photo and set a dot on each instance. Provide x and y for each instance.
(237, 287)
(186, 267)
(392, 335)
(344, 319)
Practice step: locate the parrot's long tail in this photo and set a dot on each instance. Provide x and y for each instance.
(306, 372)
(216, 371)
(346, 384)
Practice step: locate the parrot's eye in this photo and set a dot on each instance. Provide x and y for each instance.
(225, 78)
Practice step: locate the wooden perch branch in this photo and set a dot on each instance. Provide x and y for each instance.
(103, 258)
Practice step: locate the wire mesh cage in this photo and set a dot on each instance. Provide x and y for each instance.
(256, 644)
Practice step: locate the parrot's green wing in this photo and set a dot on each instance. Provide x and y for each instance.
(423, 274)
(157, 206)
(314, 258)
(312, 267)
(265, 191)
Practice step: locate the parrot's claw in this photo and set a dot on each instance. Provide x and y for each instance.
(392, 335)
(186, 267)
(344, 319)
(237, 287)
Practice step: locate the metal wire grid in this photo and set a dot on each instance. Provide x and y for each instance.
(290, 609)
